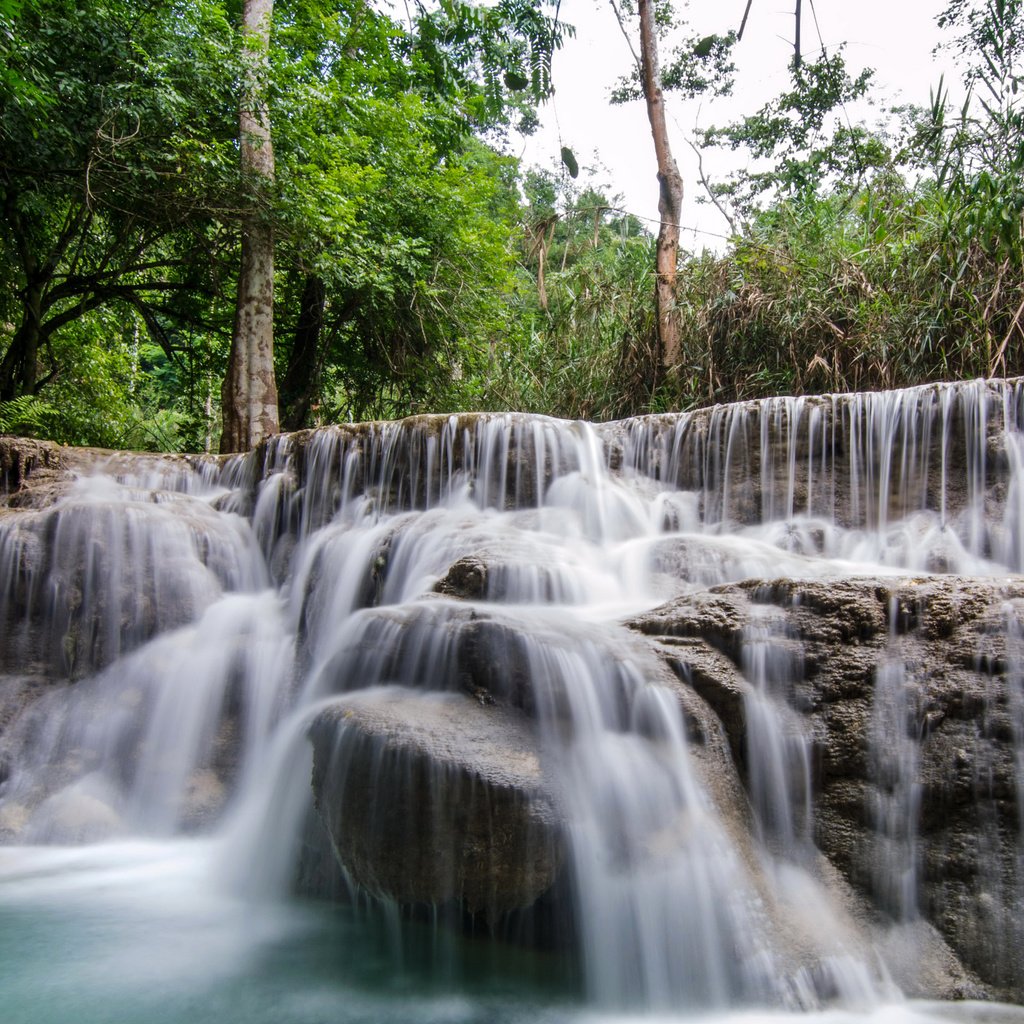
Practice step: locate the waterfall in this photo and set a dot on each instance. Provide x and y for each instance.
(652, 695)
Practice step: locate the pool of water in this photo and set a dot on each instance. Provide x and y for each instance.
(144, 931)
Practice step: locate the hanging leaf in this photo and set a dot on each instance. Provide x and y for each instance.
(516, 80)
(705, 47)
(570, 162)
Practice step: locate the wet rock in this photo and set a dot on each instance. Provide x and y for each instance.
(204, 799)
(717, 616)
(958, 722)
(22, 458)
(99, 574)
(717, 681)
(842, 610)
(709, 561)
(436, 799)
(14, 817)
(467, 578)
(494, 658)
(921, 962)
(74, 815)
(522, 570)
(37, 474)
(17, 692)
(529, 661)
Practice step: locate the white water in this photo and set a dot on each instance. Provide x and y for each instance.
(196, 678)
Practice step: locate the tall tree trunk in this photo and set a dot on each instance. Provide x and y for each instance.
(249, 393)
(670, 199)
(797, 56)
(743, 23)
(19, 370)
(301, 380)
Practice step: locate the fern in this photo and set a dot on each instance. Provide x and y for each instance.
(26, 414)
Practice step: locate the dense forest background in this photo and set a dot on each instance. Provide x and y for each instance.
(416, 267)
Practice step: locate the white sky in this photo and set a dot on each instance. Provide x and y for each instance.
(895, 37)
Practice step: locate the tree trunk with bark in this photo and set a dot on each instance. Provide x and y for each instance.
(249, 393)
(797, 56)
(19, 370)
(670, 199)
(301, 382)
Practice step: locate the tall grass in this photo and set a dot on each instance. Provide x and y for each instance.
(840, 294)
(886, 288)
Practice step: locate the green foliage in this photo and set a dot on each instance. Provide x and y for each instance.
(418, 269)
(976, 153)
(847, 293)
(420, 319)
(860, 263)
(696, 66)
(11, 81)
(802, 141)
(701, 66)
(496, 56)
(120, 200)
(386, 199)
(587, 306)
(26, 415)
(117, 163)
(118, 391)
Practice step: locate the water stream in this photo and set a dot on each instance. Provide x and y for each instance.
(173, 631)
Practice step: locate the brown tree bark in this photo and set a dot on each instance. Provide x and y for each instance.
(301, 381)
(797, 56)
(670, 199)
(249, 392)
(19, 370)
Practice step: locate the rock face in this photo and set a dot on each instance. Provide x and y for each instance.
(435, 799)
(22, 458)
(915, 727)
(87, 582)
(103, 554)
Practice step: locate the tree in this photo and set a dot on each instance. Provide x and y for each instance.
(670, 192)
(114, 155)
(249, 393)
(387, 229)
(699, 65)
(395, 223)
(582, 352)
(801, 141)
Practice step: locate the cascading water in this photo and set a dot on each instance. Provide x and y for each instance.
(896, 809)
(555, 687)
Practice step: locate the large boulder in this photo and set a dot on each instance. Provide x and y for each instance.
(436, 799)
(107, 568)
(915, 715)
